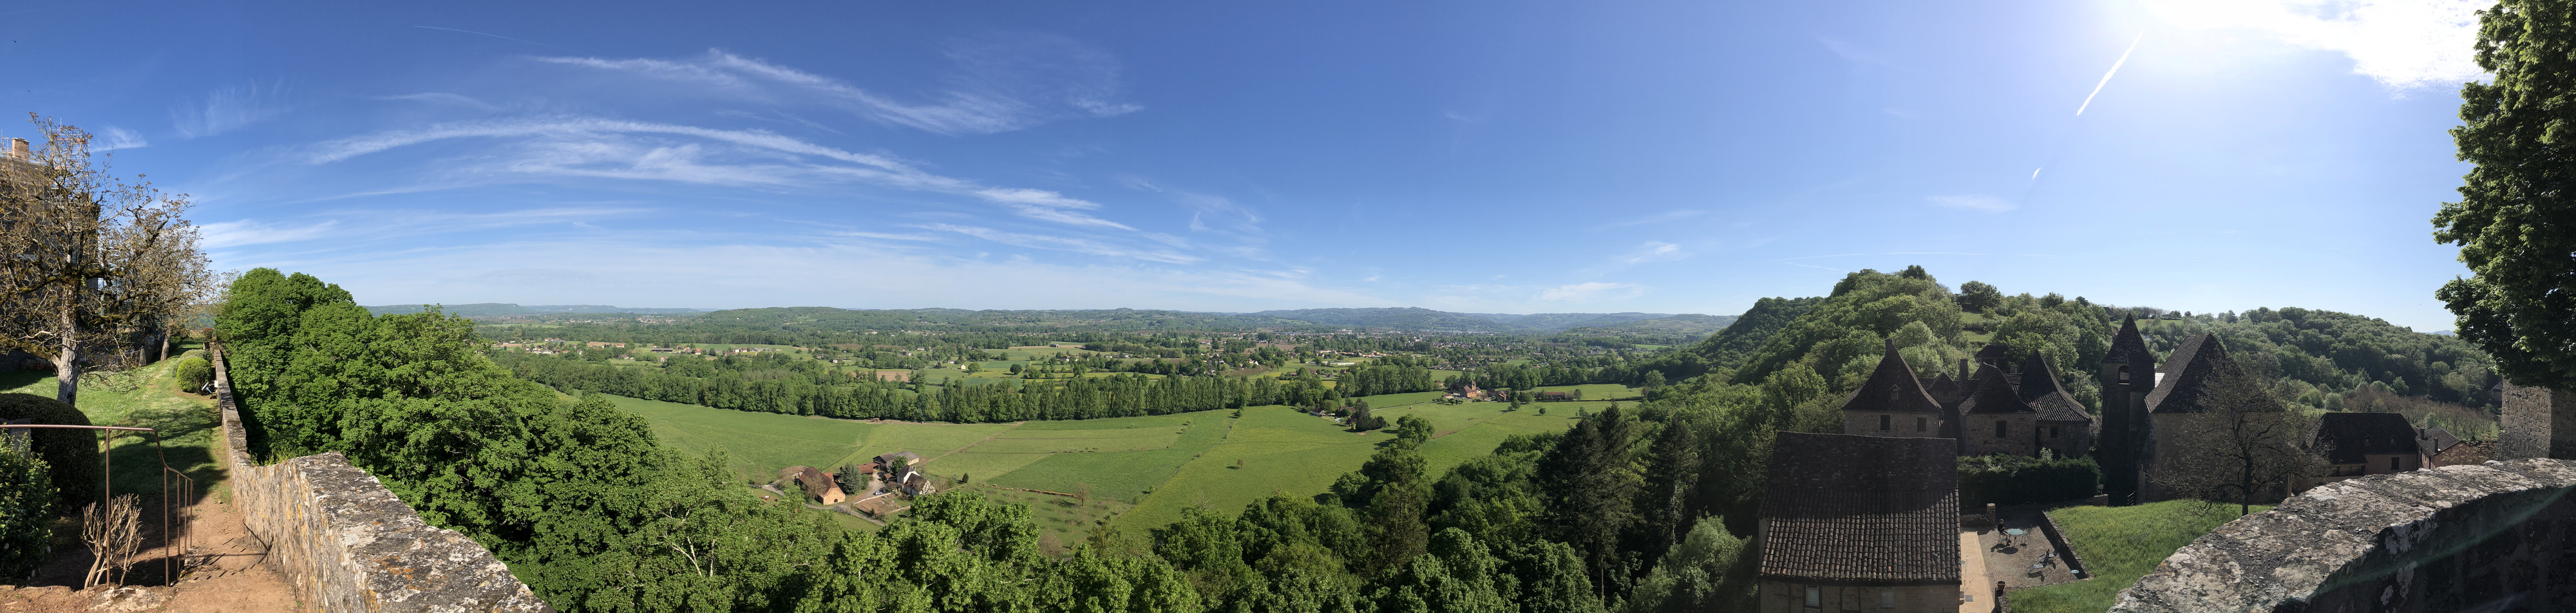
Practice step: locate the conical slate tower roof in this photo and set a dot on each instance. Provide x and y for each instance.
(2040, 390)
(1893, 388)
(2192, 375)
(1994, 394)
(2128, 343)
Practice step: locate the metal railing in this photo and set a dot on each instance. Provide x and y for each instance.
(173, 540)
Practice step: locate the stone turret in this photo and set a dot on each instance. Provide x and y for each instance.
(2128, 375)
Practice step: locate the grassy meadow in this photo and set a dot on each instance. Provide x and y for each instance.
(147, 397)
(2119, 545)
(1138, 472)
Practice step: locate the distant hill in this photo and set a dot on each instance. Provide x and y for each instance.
(485, 309)
(1677, 329)
(1387, 319)
(1748, 332)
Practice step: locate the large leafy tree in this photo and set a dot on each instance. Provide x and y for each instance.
(2515, 222)
(89, 263)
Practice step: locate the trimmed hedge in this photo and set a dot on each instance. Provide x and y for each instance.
(2012, 479)
(26, 513)
(72, 455)
(194, 372)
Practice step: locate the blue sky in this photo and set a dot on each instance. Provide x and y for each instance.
(1467, 156)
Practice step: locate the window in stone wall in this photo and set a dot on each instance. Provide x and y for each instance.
(1999, 428)
(1815, 598)
(1922, 424)
(1886, 598)
(1884, 421)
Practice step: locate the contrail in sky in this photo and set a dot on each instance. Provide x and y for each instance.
(2106, 77)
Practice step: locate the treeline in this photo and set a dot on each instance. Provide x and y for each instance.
(2329, 354)
(783, 384)
(590, 511)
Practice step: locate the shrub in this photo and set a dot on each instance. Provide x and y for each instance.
(194, 372)
(2013, 479)
(26, 511)
(71, 455)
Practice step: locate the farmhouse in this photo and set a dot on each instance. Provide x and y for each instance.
(2359, 444)
(1860, 523)
(818, 484)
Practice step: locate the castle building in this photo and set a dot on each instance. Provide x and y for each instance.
(1893, 402)
(2179, 403)
(2128, 374)
(1988, 413)
(1860, 523)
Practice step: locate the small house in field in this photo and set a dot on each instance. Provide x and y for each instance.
(819, 485)
(909, 459)
(2359, 444)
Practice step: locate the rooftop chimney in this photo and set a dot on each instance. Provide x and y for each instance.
(18, 148)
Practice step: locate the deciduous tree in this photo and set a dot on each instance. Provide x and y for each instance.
(92, 260)
(2515, 221)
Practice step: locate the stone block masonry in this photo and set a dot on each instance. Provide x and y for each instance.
(2496, 537)
(345, 543)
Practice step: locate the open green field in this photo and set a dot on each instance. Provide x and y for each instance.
(147, 397)
(1139, 472)
(2119, 545)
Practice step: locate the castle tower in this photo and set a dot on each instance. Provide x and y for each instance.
(2128, 374)
(1893, 403)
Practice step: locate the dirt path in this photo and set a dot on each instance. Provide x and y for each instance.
(230, 576)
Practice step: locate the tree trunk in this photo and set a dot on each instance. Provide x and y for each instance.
(67, 370)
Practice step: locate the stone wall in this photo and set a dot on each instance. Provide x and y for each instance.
(2537, 422)
(345, 543)
(2497, 537)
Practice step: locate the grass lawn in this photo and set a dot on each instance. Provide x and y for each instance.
(2119, 545)
(149, 399)
(1598, 391)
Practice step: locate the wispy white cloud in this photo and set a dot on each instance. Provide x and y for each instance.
(892, 237)
(999, 84)
(446, 99)
(593, 147)
(228, 109)
(1974, 202)
(1653, 251)
(121, 138)
(685, 269)
(224, 234)
(1590, 291)
(1060, 243)
(2400, 43)
(359, 226)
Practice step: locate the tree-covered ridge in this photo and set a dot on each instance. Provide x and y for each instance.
(2313, 357)
(2325, 354)
(504, 308)
(827, 318)
(773, 382)
(1753, 329)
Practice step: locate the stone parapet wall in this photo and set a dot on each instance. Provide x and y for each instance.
(2057, 538)
(346, 543)
(2498, 536)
